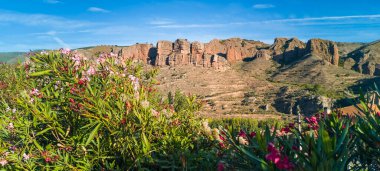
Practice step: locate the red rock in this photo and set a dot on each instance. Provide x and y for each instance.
(287, 50)
(164, 49)
(197, 50)
(138, 52)
(234, 54)
(181, 53)
(215, 47)
(324, 49)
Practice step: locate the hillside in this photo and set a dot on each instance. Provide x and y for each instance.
(239, 76)
(365, 59)
(11, 57)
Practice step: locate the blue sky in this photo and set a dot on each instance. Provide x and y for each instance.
(50, 24)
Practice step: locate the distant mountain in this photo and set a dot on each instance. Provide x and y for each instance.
(11, 57)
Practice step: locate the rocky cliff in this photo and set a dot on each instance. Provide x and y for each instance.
(220, 53)
(325, 49)
(287, 50)
(365, 59)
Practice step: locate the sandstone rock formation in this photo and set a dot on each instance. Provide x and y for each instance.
(164, 49)
(234, 54)
(215, 47)
(367, 58)
(287, 50)
(140, 52)
(263, 54)
(349, 63)
(324, 49)
(219, 53)
(197, 50)
(180, 54)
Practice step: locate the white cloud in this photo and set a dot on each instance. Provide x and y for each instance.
(191, 26)
(263, 6)
(52, 1)
(161, 21)
(328, 20)
(97, 9)
(41, 20)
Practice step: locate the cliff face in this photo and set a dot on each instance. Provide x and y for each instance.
(164, 49)
(220, 53)
(287, 50)
(324, 49)
(140, 52)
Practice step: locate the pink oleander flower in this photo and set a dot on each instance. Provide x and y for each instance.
(242, 134)
(65, 51)
(76, 59)
(44, 52)
(135, 82)
(242, 141)
(3, 162)
(252, 134)
(378, 113)
(220, 166)
(113, 54)
(222, 138)
(312, 120)
(145, 104)
(285, 164)
(285, 130)
(91, 71)
(34, 92)
(155, 113)
(10, 126)
(100, 60)
(273, 157)
(271, 147)
(25, 157)
(281, 162)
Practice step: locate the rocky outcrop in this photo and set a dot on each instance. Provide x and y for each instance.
(197, 50)
(218, 53)
(277, 47)
(215, 47)
(263, 54)
(324, 49)
(349, 63)
(292, 102)
(180, 54)
(367, 59)
(164, 49)
(140, 52)
(234, 54)
(287, 50)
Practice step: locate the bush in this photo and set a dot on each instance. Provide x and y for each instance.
(65, 111)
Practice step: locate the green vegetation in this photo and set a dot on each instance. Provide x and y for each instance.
(59, 111)
(319, 89)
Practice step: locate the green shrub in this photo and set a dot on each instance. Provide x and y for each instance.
(66, 112)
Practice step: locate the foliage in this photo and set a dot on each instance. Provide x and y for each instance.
(65, 111)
